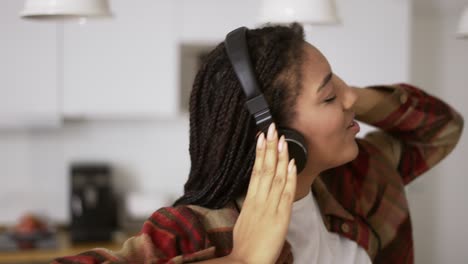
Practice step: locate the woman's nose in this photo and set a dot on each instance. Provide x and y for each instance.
(350, 97)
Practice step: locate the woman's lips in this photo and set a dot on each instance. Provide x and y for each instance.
(354, 126)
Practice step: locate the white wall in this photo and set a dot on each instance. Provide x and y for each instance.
(423, 193)
(374, 45)
(148, 156)
(17, 55)
(152, 155)
(122, 66)
(453, 200)
(438, 200)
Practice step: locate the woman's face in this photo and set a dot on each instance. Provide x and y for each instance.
(324, 114)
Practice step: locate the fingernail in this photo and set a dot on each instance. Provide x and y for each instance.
(271, 131)
(260, 141)
(281, 144)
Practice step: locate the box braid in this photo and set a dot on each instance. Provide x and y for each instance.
(222, 132)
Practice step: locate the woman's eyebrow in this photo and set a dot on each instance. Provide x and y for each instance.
(325, 81)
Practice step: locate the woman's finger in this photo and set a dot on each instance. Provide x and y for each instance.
(257, 168)
(279, 181)
(289, 191)
(269, 164)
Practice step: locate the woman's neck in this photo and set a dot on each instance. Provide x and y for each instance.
(305, 179)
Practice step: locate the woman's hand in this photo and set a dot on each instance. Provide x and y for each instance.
(261, 228)
(367, 99)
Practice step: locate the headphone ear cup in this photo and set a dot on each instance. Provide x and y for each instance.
(297, 147)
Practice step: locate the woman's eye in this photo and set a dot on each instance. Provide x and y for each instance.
(331, 99)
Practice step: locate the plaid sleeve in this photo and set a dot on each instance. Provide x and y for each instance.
(170, 235)
(417, 130)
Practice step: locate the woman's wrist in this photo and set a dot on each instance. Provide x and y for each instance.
(368, 99)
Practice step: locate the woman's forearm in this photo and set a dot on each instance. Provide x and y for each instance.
(226, 259)
(424, 129)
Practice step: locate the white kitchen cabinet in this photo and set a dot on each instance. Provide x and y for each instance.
(123, 67)
(29, 89)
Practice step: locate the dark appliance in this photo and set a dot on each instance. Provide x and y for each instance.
(93, 208)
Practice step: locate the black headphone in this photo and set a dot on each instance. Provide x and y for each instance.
(238, 53)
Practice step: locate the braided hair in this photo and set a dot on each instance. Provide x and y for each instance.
(222, 132)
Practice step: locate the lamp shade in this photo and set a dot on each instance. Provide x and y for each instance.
(63, 9)
(302, 11)
(463, 25)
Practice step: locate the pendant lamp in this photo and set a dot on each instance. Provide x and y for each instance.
(65, 9)
(312, 12)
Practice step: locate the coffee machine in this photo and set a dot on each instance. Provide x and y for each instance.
(93, 210)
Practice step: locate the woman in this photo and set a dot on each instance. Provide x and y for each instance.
(244, 201)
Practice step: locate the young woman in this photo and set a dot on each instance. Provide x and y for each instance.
(244, 201)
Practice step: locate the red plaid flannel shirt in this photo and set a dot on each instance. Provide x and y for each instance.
(363, 200)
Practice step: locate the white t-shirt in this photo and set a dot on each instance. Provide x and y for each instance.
(312, 243)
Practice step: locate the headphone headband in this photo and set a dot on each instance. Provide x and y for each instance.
(238, 53)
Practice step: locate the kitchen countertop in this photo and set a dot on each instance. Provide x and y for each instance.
(65, 248)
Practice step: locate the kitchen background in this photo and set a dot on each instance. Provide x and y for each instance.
(112, 90)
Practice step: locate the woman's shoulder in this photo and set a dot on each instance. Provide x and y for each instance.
(216, 218)
(193, 227)
(196, 217)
